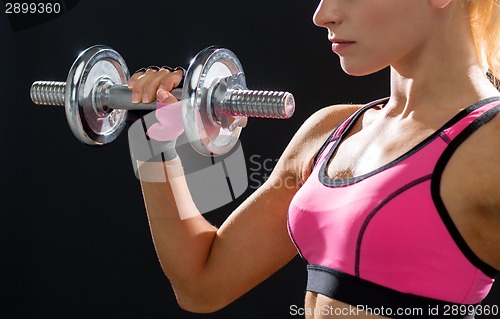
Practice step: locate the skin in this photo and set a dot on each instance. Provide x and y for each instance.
(434, 74)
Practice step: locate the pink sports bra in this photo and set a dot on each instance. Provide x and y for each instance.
(385, 238)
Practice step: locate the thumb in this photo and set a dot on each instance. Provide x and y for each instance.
(164, 96)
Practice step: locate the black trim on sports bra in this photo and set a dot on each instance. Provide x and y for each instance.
(350, 118)
(325, 144)
(359, 292)
(436, 190)
(342, 182)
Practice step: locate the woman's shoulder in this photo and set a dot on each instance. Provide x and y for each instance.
(313, 133)
(483, 149)
(325, 120)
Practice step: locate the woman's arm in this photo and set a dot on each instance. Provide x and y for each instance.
(209, 267)
(472, 195)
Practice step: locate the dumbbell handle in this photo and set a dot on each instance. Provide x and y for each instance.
(250, 103)
(119, 97)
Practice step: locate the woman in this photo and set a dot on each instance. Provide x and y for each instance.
(396, 204)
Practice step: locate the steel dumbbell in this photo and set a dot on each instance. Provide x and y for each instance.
(214, 98)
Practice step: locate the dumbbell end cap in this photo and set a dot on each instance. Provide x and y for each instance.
(289, 105)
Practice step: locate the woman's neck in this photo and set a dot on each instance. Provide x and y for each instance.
(424, 80)
(439, 89)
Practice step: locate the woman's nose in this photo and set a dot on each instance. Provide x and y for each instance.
(327, 13)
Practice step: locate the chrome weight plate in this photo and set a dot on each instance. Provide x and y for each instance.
(96, 65)
(206, 135)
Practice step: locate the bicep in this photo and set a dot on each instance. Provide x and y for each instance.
(253, 243)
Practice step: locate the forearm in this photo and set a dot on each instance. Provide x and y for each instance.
(250, 246)
(182, 236)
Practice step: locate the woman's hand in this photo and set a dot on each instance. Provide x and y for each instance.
(148, 85)
(157, 142)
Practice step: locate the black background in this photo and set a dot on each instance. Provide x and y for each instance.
(74, 236)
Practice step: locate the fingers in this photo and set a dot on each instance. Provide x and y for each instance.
(146, 85)
(134, 77)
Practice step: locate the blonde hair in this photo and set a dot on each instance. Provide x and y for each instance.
(485, 23)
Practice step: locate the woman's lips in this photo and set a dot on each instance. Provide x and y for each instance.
(341, 45)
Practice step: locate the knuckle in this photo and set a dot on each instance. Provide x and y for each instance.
(167, 84)
(143, 80)
(138, 86)
(150, 87)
